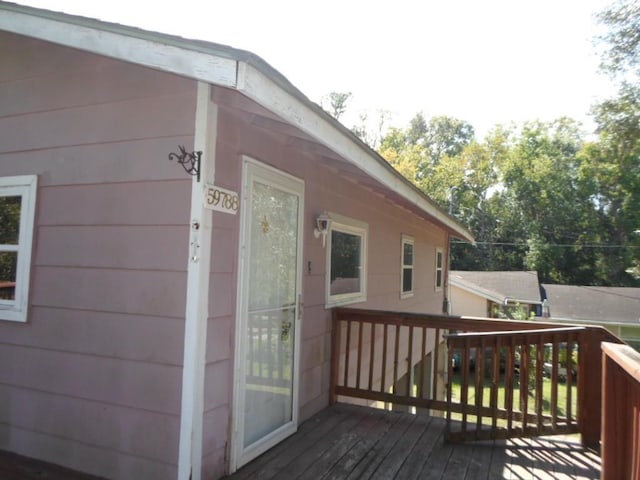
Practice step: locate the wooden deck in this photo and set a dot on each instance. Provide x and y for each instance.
(351, 442)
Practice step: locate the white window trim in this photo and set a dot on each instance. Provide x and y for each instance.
(354, 227)
(407, 240)
(439, 252)
(25, 186)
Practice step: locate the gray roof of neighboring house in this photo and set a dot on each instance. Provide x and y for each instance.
(514, 287)
(617, 305)
(231, 68)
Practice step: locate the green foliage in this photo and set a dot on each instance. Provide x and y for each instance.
(336, 103)
(537, 197)
(622, 38)
(513, 312)
(9, 232)
(426, 144)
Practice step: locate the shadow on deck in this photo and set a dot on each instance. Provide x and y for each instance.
(353, 442)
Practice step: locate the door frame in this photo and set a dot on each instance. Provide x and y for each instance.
(254, 169)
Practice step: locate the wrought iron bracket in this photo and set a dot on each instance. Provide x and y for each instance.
(190, 161)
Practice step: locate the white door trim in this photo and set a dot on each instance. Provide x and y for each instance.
(253, 168)
(197, 309)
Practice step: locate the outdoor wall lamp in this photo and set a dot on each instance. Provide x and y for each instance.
(323, 222)
(190, 161)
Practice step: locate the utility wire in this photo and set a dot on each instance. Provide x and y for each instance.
(551, 245)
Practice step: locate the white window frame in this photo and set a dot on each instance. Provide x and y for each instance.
(440, 269)
(353, 227)
(26, 187)
(407, 240)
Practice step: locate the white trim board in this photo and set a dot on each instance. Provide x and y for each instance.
(197, 309)
(149, 52)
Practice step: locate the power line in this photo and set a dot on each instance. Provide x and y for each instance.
(550, 245)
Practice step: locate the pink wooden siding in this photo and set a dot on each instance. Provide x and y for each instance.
(93, 379)
(324, 190)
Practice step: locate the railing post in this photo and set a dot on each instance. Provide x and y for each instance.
(590, 387)
(613, 438)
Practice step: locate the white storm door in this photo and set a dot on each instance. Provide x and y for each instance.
(267, 355)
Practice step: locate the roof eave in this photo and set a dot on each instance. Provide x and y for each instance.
(227, 67)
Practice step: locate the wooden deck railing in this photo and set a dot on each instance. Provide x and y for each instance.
(490, 374)
(620, 412)
(523, 384)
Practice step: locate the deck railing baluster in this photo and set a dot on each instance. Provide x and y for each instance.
(396, 354)
(569, 380)
(495, 379)
(422, 364)
(372, 356)
(385, 340)
(554, 381)
(436, 358)
(464, 389)
(409, 363)
(346, 355)
(359, 361)
(480, 375)
(539, 382)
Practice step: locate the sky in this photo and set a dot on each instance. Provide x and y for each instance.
(486, 62)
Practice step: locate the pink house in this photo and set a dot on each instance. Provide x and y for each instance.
(157, 324)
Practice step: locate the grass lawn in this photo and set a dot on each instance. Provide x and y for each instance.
(456, 385)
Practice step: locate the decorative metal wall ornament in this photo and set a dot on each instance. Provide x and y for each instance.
(190, 161)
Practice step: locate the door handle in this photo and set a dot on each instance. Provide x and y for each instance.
(285, 328)
(300, 306)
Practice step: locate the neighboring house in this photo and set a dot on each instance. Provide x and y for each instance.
(615, 308)
(486, 294)
(157, 325)
(480, 294)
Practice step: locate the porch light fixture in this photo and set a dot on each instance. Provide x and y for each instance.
(190, 161)
(323, 222)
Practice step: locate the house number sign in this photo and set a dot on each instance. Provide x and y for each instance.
(221, 200)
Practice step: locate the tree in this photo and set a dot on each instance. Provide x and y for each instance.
(336, 103)
(373, 137)
(622, 55)
(425, 144)
(547, 187)
(612, 167)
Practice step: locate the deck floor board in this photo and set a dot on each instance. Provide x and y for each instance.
(353, 442)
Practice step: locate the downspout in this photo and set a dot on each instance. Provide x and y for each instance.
(197, 308)
(446, 305)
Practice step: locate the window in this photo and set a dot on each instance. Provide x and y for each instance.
(17, 209)
(439, 269)
(406, 279)
(346, 261)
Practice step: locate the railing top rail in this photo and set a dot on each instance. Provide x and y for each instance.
(625, 356)
(520, 333)
(449, 322)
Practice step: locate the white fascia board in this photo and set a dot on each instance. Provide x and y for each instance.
(263, 90)
(150, 52)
